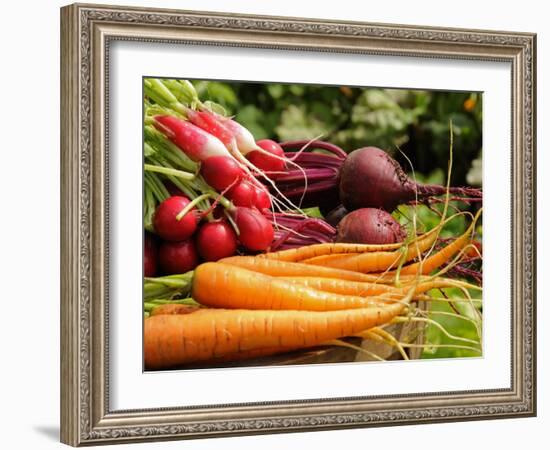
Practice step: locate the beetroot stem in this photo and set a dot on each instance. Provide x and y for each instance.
(292, 145)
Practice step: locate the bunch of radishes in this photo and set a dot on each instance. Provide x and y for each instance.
(207, 185)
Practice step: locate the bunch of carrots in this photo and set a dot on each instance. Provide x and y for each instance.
(244, 307)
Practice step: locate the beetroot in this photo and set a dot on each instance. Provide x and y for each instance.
(366, 178)
(296, 230)
(177, 257)
(167, 226)
(216, 240)
(255, 231)
(371, 178)
(370, 226)
(149, 255)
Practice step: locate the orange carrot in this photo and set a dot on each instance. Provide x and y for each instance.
(312, 251)
(207, 334)
(175, 308)
(344, 287)
(321, 260)
(278, 268)
(442, 256)
(378, 261)
(223, 286)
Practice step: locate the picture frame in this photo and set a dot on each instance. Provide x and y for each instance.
(87, 32)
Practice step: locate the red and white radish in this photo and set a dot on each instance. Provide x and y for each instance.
(166, 222)
(177, 257)
(216, 240)
(220, 172)
(255, 231)
(196, 143)
(263, 199)
(243, 194)
(272, 159)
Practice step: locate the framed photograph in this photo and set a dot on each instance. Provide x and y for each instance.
(279, 224)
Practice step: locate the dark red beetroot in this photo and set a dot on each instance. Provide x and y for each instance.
(366, 178)
(216, 240)
(255, 231)
(370, 178)
(177, 257)
(370, 226)
(149, 255)
(167, 226)
(265, 161)
(220, 172)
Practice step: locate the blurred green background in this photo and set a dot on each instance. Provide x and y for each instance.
(414, 123)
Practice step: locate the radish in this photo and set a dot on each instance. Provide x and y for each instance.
(166, 223)
(216, 240)
(246, 194)
(366, 178)
(239, 141)
(149, 255)
(220, 172)
(211, 123)
(263, 199)
(177, 257)
(196, 143)
(370, 226)
(243, 194)
(255, 231)
(264, 161)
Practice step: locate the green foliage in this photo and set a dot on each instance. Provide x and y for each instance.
(416, 121)
(456, 326)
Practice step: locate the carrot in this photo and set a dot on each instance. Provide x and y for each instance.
(176, 308)
(344, 287)
(442, 256)
(223, 286)
(278, 268)
(323, 259)
(207, 334)
(379, 261)
(312, 251)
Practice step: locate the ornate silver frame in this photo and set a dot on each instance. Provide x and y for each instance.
(86, 31)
